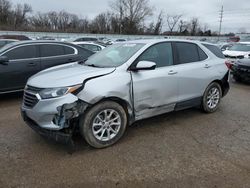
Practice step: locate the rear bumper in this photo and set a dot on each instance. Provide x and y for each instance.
(58, 136)
(242, 73)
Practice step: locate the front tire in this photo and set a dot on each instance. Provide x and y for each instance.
(211, 98)
(104, 124)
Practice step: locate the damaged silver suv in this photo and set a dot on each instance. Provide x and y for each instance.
(122, 84)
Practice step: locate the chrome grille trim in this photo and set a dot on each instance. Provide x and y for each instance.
(31, 96)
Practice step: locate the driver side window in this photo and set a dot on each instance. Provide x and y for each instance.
(160, 53)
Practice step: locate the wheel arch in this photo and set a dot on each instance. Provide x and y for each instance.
(223, 83)
(125, 104)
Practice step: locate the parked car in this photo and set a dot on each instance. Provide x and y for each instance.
(94, 47)
(4, 42)
(238, 51)
(45, 38)
(86, 39)
(120, 40)
(20, 60)
(122, 84)
(241, 70)
(225, 46)
(15, 37)
(234, 39)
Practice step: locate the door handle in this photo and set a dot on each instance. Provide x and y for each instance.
(207, 66)
(31, 64)
(172, 72)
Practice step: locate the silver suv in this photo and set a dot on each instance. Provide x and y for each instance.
(122, 84)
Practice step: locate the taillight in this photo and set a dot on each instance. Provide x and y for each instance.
(229, 64)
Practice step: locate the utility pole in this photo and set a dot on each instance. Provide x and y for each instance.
(221, 19)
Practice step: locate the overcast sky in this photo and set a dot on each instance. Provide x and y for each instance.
(236, 12)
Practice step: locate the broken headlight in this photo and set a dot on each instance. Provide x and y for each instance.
(57, 92)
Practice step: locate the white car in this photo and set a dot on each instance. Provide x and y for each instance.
(94, 47)
(238, 51)
(122, 84)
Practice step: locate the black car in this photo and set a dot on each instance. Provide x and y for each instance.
(86, 39)
(4, 42)
(241, 70)
(15, 37)
(20, 60)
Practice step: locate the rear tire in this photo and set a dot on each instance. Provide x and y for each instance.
(104, 124)
(211, 98)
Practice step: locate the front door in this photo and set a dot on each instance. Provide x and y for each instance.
(23, 63)
(155, 91)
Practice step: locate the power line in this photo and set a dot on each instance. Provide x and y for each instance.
(221, 18)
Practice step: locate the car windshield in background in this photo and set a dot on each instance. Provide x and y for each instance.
(114, 55)
(240, 47)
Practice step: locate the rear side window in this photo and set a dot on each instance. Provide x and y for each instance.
(50, 50)
(69, 50)
(202, 54)
(215, 50)
(187, 52)
(91, 47)
(23, 52)
(84, 53)
(160, 53)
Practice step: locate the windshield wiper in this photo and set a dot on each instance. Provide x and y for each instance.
(93, 65)
(82, 61)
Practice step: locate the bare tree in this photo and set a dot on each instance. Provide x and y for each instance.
(5, 10)
(172, 21)
(159, 24)
(183, 26)
(54, 21)
(131, 13)
(194, 26)
(20, 14)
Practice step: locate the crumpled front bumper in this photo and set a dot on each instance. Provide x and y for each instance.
(45, 111)
(52, 118)
(58, 136)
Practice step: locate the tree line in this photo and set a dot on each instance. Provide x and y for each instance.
(123, 17)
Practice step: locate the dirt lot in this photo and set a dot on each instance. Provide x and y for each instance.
(182, 149)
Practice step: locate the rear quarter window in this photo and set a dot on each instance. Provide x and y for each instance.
(84, 52)
(51, 50)
(187, 52)
(68, 50)
(215, 50)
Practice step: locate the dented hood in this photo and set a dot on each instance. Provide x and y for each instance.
(66, 75)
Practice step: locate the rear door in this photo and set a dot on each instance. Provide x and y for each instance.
(155, 91)
(23, 63)
(56, 54)
(193, 70)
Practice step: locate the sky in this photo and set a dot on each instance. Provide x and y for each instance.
(236, 15)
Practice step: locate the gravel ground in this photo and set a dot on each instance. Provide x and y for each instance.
(180, 149)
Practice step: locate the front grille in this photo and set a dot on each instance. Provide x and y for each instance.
(30, 96)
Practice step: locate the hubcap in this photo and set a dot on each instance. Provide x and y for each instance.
(106, 125)
(213, 97)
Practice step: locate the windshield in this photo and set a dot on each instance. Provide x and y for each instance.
(114, 55)
(240, 47)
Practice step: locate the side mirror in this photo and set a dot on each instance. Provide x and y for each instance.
(4, 60)
(144, 65)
